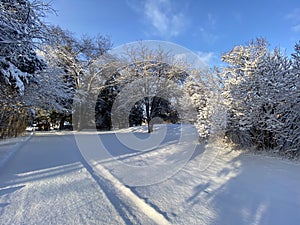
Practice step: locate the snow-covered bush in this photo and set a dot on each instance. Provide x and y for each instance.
(262, 95)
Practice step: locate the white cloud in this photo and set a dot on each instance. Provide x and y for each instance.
(208, 36)
(212, 20)
(164, 18)
(207, 58)
(294, 15)
(296, 28)
(208, 29)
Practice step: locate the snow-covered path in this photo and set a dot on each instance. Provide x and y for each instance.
(48, 182)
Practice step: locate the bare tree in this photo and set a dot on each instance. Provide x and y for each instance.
(151, 80)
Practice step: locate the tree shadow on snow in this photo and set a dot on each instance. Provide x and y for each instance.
(249, 190)
(42, 157)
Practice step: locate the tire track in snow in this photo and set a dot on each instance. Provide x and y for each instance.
(114, 200)
(120, 207)
(132, 208)
(137, 202)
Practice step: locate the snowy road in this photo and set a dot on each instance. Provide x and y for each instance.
(48, 182)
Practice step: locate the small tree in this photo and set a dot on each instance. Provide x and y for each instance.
(205, 93)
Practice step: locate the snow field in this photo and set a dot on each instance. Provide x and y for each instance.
(48, 181)
(235, 189)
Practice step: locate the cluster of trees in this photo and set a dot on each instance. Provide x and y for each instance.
(46, 70)
(262, 97)
(253, 101)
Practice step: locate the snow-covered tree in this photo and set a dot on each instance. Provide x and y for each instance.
(83, 65)
(151, 80)
(262, 95)
(22, 31)
(204, 91)
(243, 61)
(12, 114)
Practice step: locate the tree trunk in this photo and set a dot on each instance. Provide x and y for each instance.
(61, 122)
(150, 127)
(148, 115)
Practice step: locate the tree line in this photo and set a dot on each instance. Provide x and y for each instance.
(253, 101)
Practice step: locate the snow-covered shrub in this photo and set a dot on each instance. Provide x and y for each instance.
(204, 92)
(262, 93)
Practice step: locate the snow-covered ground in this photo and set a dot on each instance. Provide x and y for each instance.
(8, 147)
(62, 178)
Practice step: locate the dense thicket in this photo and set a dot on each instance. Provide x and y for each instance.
(263, 98)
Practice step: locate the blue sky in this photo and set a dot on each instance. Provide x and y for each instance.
(208, 28)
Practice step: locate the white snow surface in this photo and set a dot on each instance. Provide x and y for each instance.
(49, 181)
(9, 146)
